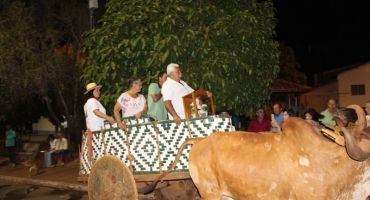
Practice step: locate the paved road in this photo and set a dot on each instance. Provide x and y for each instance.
(10, 191)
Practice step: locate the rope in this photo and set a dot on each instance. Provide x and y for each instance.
(188, 123)
(129, 155)
(102, 136)
(158, 145)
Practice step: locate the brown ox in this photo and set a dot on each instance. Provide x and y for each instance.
(296, 163)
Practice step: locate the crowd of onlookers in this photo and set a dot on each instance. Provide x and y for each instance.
(263, 123)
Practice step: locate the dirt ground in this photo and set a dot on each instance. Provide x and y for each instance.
(67, 174)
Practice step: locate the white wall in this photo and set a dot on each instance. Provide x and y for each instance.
(356, 76)
(43, 126)
(317, 98)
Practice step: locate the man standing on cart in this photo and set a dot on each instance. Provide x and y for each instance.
(155, 101)
(173, 90)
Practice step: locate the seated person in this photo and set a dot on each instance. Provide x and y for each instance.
(260, 124)
(61, 147)
(47, 154)
(286, 115)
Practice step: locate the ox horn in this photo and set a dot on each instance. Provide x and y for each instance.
(361, 118)
(357, 150)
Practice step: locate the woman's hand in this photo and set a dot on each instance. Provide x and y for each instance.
(110, 119)
(137, 115)
(122, 125)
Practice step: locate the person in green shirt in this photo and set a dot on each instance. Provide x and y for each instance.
(10, 144)
(330, 112)
(155, 100)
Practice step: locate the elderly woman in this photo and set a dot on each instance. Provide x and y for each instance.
(130, 102)
(345, 116)
(94, 111)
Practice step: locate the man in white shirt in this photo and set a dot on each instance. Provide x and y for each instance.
(173, 90)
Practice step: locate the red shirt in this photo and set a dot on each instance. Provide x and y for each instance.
(256, 126)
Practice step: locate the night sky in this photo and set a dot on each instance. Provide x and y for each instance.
(325, 34)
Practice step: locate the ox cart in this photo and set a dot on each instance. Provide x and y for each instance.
(118, 162)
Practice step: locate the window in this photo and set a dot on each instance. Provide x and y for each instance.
(358, 89)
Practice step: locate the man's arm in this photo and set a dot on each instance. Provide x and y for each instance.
(57, 145)
(156, 97)
(65, 144)
(152, 94)
(171, 110)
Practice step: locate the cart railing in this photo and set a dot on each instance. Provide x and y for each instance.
(152, 145)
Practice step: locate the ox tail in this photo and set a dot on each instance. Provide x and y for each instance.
(149, 188)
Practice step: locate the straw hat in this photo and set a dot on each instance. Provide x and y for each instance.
(91, 86)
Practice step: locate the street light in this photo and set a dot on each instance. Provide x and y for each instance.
(93, 4)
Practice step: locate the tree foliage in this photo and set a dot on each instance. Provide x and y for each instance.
(289, 66)
(225, 47)
(39, 52)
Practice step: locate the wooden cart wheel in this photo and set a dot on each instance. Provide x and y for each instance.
(110, 179)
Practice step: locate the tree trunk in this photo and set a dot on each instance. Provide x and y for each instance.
(52, 114)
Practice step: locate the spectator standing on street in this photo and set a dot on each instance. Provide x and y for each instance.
(61, 147)
(10, 144)
(330, 112)
(345, 116)
(367, 108)
(313, 118)
(278, 113)
(260, 124)
(155, 101)
(286, 115)
(225, 112)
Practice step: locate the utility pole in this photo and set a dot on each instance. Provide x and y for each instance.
(93, 4)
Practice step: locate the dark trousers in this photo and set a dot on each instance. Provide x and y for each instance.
(11, 154)
(63, 152)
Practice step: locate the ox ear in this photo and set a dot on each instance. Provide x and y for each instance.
(358, 151)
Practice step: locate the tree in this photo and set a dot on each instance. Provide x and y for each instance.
(39, 56)
(289, 66)
(223, 46)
